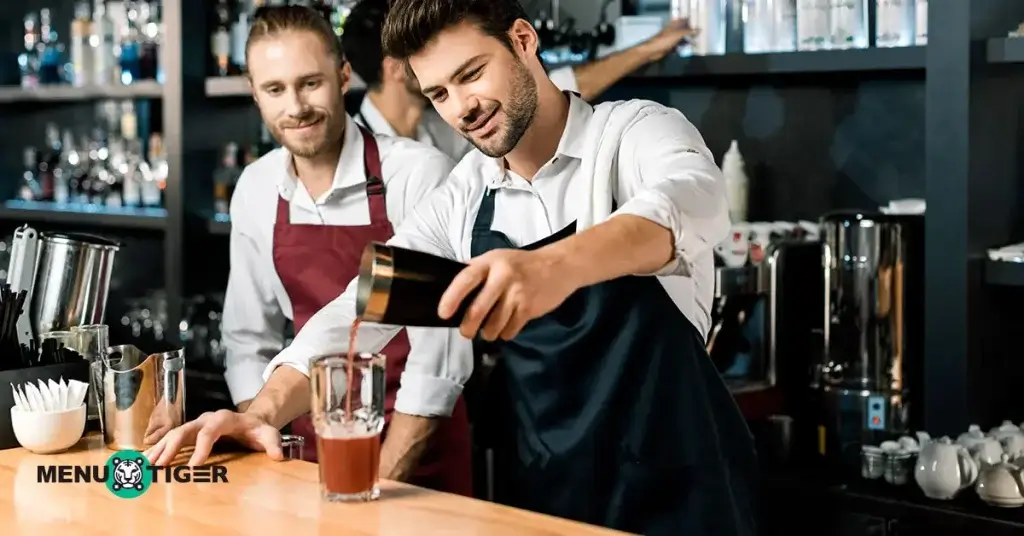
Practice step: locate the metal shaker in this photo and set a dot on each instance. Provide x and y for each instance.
(143, 396)
(403, 287)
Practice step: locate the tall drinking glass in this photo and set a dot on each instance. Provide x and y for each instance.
(92, 342)
(348, 416)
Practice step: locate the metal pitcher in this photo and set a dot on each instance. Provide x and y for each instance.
(143, 396)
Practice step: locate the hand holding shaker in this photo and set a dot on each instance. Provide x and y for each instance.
(403, 287)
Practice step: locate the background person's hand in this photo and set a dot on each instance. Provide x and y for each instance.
(203, 432)
(518, 286)
(673, 34)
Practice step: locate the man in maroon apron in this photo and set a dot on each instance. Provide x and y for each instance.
(316, 261)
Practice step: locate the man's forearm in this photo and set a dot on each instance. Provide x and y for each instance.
(623, 245)
(594, 77)
(407, 439)
(284, 397)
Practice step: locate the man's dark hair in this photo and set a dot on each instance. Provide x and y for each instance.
(411, 24)
(361, 35)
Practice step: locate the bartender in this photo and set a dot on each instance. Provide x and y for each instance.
(589, 232)
(301, 216)
(394, 105)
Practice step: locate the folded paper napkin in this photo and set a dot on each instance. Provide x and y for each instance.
(50, 395)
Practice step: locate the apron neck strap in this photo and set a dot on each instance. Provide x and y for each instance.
(374, 182)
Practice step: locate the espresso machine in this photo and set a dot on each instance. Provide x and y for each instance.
(763, 321)
(868, 376)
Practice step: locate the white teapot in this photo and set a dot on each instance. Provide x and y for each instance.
(971, 437)
(1001, 484)
(1005, 430)
(987, 451)
(943, 468)
(1014, 446)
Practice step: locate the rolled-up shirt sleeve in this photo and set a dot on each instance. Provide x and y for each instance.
(668, 176)
(437, 366)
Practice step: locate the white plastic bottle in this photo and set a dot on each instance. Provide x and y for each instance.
(758, 26)
(735, 183)
(849, 24)
(708, 18)
(894, 24)
(813, 21)
(784, 26)
(921, 26)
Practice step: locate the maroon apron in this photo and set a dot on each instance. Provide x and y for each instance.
(315, 263)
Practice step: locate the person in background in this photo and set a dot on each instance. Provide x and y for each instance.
(393, 104)
(302, 215)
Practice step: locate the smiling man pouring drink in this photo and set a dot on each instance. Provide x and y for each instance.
(588, 231)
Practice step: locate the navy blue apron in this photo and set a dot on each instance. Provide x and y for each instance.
(621, 419)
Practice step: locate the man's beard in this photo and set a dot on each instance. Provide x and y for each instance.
(519, 112)
(333, 127)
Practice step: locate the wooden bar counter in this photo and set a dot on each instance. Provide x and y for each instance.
(261, 497)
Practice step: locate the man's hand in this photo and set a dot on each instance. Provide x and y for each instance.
(671, 36)
(244, 405)
(203, 432)
(518, 286)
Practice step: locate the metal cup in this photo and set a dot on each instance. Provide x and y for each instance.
(143, 395)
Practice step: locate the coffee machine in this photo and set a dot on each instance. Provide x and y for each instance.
(868, 376)
(763, 319)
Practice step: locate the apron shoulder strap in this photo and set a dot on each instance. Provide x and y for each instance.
(283, 210)
(375, 192)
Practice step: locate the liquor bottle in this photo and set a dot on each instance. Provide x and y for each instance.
(131, 47)
(29, 189)
(152, 36)
(220, 45)
(104, 69)
(81, 51)
(50, 64)
(240, 33)
(28, 60)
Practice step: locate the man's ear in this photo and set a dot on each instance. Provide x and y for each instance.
(345, 76)
(524, 38)
(392, 69)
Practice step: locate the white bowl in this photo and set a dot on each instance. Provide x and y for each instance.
(48, 432)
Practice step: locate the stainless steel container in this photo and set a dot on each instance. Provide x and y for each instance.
(72, 281)
(873, 334)
(143, 396)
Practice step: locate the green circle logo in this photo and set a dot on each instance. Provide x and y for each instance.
(128, 474)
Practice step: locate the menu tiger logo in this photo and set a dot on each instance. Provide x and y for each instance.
(128, 474)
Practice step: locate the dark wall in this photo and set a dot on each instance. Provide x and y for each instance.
(809, 145)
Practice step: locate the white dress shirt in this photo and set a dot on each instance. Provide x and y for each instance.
(256, 303)
(434, 131)
(665, 174)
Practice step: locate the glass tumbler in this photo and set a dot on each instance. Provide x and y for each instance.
(92, 342)
(348, 417)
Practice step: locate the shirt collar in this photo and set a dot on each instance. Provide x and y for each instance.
(572, 144)
(350, 171)
(373, 119)
(376, 122)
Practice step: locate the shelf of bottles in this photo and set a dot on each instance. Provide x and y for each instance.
(111, 51)
(230, 30)
(234, 158)
(799, 36)
(105, 175)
